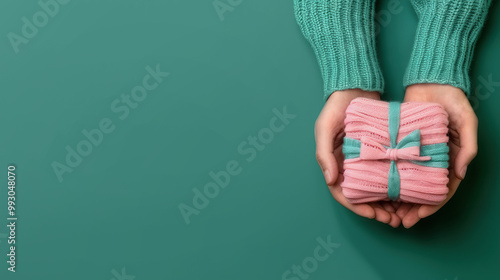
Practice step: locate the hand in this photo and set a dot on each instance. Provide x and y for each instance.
(462, 143)
(329, 133)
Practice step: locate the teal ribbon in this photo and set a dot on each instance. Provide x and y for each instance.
(437, 152)
(394, 180)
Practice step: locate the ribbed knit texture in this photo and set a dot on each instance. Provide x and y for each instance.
(342, 34)
(444, 43)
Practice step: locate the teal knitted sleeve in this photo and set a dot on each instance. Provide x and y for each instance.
(342, 35)
(444, 42)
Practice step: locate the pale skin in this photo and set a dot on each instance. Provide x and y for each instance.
(329, 131)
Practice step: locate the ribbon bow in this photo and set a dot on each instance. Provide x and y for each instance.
(407, 149)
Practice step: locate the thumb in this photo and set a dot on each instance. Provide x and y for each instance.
(468, 146)
(325, 138)
(329, 167)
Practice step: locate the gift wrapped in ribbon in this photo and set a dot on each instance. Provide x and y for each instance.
(395, 151)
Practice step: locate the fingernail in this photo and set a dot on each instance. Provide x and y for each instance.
(462, 173)
(328, 177)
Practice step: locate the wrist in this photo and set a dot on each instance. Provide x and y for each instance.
(355, 93)
(431, 92)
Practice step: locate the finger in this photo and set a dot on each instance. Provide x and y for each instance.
(337, 152)
(396, 205)
(411, 218)
(468, 146)
(388, 207)
(403, 209)
(395, 220)
(381, 214)
(427, 210)
(325, 135)
(363, 210)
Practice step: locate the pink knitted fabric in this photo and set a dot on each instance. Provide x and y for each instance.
(367, 180)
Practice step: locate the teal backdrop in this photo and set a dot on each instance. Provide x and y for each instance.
(115, 159)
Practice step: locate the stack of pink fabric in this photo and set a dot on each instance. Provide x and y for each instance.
(410, 168)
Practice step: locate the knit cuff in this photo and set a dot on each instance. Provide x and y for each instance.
(342, 34)
(444, 43)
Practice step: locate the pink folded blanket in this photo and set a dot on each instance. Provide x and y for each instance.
(395, 151)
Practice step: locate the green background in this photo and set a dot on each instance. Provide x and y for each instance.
(119, 208)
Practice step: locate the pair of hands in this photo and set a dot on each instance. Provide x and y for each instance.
(329, 132)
